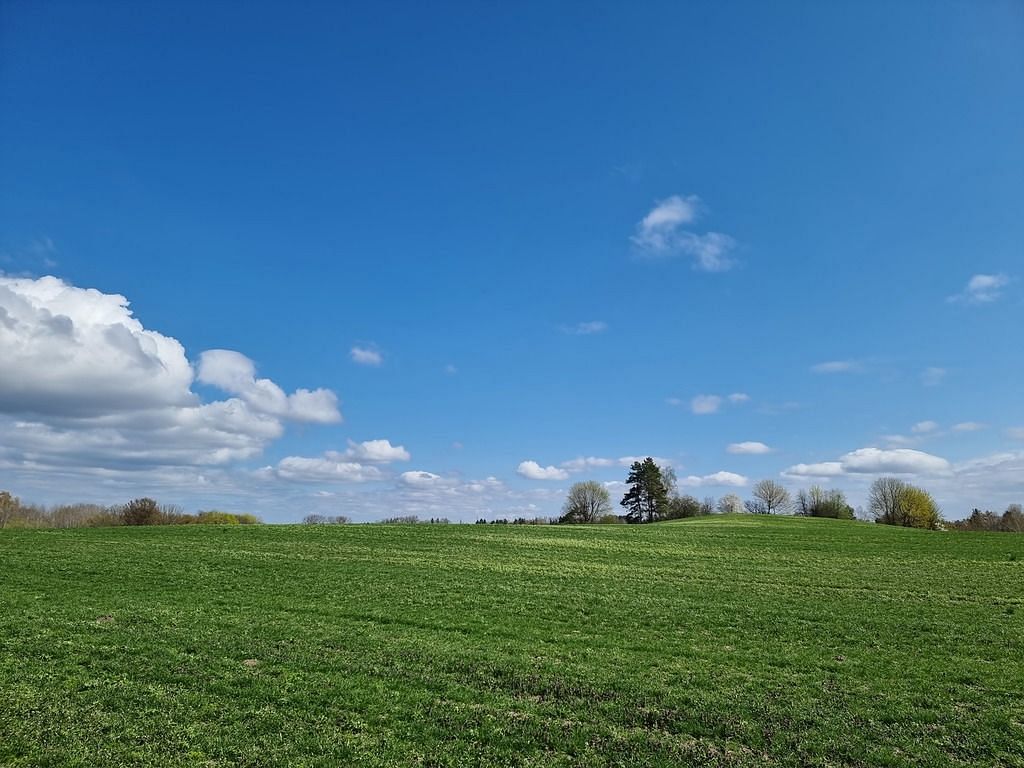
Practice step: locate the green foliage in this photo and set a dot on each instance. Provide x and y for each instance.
(716, 641)
(894, 502)
(647, 498)
(682, 506)
(817, 502)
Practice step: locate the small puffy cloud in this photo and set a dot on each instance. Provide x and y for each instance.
(932, 376)
(819, 469)
(450, 369)
(981, 289)
(968, 426)
(748, 447)
(661, 233)
(656, 231)
(531, 470)
(715, 479)
(705, 404)
(674, 401)
(326, 469)
(897, 461)
(739, 397)
(924, 427)
(875, 461)
(422, 479)
(235, 374)
(585, 329)
(373, 451)
(366, 355)
(837, 366)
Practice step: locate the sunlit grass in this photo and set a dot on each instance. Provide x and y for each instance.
(717, 641)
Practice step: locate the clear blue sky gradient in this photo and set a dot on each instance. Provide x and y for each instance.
(458, 183)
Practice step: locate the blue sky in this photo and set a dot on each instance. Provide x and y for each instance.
(549, 230)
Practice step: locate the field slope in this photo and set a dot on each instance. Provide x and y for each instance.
(717, 641)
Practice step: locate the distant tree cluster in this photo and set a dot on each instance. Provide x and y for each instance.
(516, 521)
(652, 495)
(1011, 521)
(894, 502)
(414, 520)
(143, 511)
(819, 502)
(326, 520)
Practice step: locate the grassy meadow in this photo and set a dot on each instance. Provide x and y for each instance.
(719, 641)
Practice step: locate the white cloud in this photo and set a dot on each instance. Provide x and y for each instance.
(87, 392)
(674, 401)
(875, 461)
(981, 289)
(837, 366)
(932, 377)
(661, 233)
(235, 374)
(585, 329)
(897, 461)
(587, 462)
(969, 426)
(78, 352)
(582, 463)
(924, 427)
(373, 451)
(748, 447)
(739, 397)
(327, 469)
(715, 479)
(657, 230)
(366, 355)
(1017, 433)
(534, 471)
(422, 479)
(820, 469)
(705, 404)
(450, 369)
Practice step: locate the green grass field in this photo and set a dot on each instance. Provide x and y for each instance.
(714, 641)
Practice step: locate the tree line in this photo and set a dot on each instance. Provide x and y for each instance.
(143, 511)
(652, 495)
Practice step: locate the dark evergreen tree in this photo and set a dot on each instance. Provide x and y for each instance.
(647, 498)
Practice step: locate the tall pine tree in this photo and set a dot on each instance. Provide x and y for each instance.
(647, 497)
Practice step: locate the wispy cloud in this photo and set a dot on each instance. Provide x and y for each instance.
(924, 427)
(1017, 433)
(585, 329)
(748, 447)
(932, 376)
(838, 366)
(705, 404)
(366, 355)
(969, 426)
(981, 289)
(739, 397)
(662, 233)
